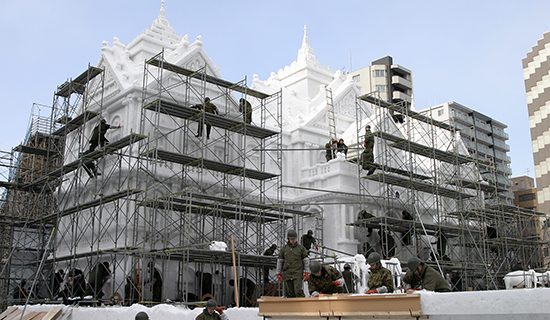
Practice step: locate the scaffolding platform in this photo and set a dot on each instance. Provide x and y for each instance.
(75, 123)
(9, 185)
(400, 171)
(36, 151)
(94, 155)
(423, 150)
(185, 112)
(215, 209)
(260, 206)
(78, 84)
(497, 212)
(207, 164)
(90, 204)
(514, 241)
(475, 185)
(204, 77)
(423, 186)
(514, 210)
(181, 254)
(405, 111)
(401, 225)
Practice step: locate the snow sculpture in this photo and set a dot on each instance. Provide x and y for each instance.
(394, 265)
(520, 279)
(361, 270)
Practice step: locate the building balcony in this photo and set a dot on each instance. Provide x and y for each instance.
(401, 83)
(483, 126)
(400, 70)
(500, 133)
(467, 121)
(500, 145)
(483, 137)
(400, 96)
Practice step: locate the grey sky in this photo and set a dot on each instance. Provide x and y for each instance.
(465, 51)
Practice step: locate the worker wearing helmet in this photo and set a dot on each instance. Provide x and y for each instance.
(324, 279)
(380, 279)
(421, 276)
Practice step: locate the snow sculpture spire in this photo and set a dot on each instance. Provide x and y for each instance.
(162, 13)
(305, 54)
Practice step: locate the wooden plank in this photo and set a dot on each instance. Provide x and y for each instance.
(391, 306)
(7, 312)
(14, 315)
(53, 313)
(29, 315)
(39, 315)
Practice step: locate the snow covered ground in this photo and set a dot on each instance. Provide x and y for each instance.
(531, 304)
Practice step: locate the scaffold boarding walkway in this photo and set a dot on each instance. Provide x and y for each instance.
(78, 84)
(186, 112)
(423, 186)
(423, 150)
(404, 226)
(75, 123)
(404, 110)
(91, 156)
(223, 207)
(207, 164)
(155, 61)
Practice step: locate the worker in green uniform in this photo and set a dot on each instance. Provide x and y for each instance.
(208, 107)
(420, 276)
(293, 266)
(380, 279)
(324, 279)
(212, 312)
(246, 108)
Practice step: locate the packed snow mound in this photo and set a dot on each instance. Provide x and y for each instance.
(218, 246)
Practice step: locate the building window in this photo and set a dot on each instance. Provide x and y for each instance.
(526, 197)
(379, 73)
(440, 112)
(380, 88)
(356, 78)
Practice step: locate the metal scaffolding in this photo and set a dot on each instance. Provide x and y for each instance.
(429, 200)
(163, 196)
(168, 195)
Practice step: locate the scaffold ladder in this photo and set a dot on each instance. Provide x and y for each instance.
(330, 113)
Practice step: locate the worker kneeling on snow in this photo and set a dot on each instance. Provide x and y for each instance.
(380, 279)
(324, 279)
(420, 276)
(212, 312)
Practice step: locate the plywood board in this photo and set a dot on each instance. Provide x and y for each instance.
(7, 312)
(29, 315)
(15, 315)
(387, 305)
(39, 315)
(53, 313)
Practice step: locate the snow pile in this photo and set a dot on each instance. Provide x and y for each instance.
(529, 304)
(218, 246)
(159, 312)
(499, 304)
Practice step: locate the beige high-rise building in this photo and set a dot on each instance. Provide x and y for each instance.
(486, 140)
(391, 82)
(536, 71)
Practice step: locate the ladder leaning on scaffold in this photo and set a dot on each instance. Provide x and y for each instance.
(330, 113)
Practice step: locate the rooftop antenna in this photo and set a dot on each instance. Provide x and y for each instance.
(350, 62)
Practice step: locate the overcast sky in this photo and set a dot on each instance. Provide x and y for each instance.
(464, 51)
